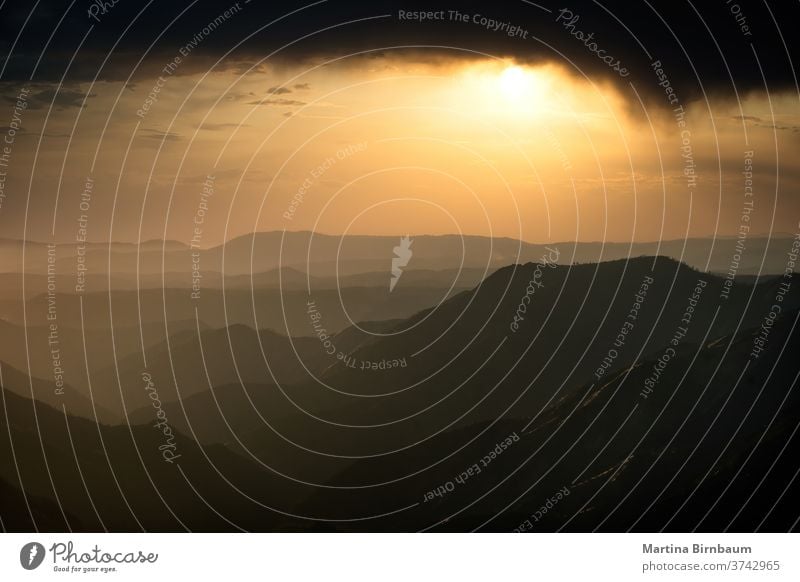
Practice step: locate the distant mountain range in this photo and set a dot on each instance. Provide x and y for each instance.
(630, 384)
(321, 255)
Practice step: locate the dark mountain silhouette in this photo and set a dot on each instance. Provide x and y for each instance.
(713, 448)
(61, 397)
(470, 367)
(685, 473)
(210, 411)
(115, 478)
(27, 513)
(367, 436)
(75, 347)
(530, 374)
(191, 365)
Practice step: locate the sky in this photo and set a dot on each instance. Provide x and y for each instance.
(214, 120)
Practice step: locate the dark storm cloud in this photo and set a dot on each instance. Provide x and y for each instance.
(703, 46)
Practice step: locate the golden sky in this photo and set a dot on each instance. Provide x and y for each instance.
(397, 145)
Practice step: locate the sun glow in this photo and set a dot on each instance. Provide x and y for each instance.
(517, 84)
(510, 90)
